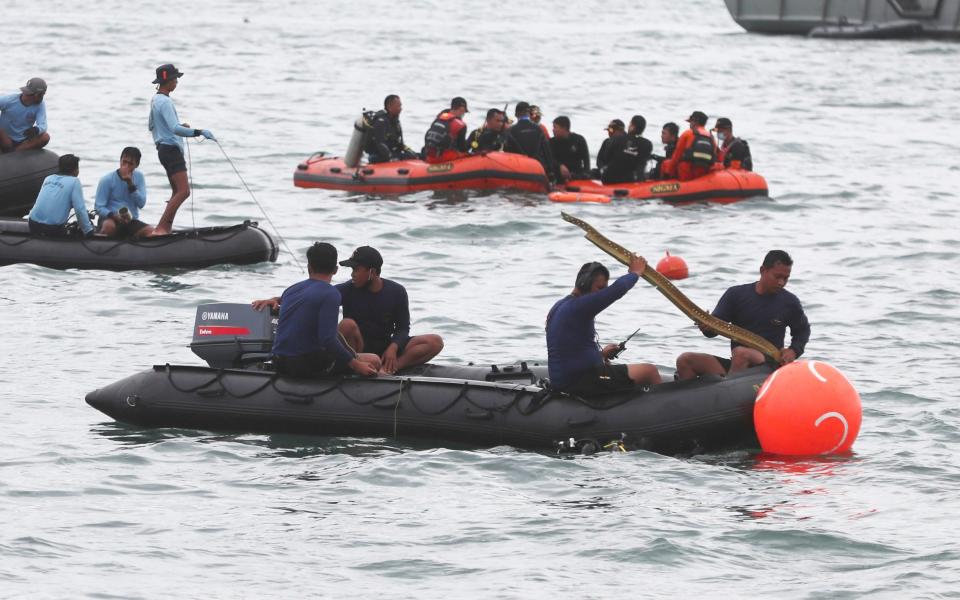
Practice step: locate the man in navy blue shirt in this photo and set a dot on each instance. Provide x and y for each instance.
(576, 363)
(376, 315)
(763, 307)
(307, 343)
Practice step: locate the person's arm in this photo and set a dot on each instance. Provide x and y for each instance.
(548, 157)
(799, 331)
(41, 122)
(724, 311)
(139, 193)
(401, 323)
(168, 115)
(327, 333)
(102, 198)
(583, 156)
(76, 199)
(593, 303)
(461, 142)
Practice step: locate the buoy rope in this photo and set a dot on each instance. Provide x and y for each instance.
(260, 206)
(663, 285)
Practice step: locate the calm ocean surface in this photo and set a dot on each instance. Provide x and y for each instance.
(856, 139)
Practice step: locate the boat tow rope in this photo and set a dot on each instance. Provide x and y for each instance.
(257, 202)
(663, 285)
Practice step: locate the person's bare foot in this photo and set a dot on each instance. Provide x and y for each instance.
(159, 230)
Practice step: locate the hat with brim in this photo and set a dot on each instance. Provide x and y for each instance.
(35, 86)
(167, 72)
(364, 256)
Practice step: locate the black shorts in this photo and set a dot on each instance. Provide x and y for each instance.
(602, 380)
(37, 228)
(315, 365)
(124, 230)
(171, 157)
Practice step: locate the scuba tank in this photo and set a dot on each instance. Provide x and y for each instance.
(361, 129)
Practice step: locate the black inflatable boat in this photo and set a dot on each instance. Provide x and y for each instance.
(473, 405)
(21, 175)
(188, 248)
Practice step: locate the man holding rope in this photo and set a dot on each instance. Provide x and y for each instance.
(167, 133)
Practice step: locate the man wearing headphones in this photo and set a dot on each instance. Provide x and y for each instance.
(576, 363)
(376, 315)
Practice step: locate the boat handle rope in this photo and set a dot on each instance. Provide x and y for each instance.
(674, 295)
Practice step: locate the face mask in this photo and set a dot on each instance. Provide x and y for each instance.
(721, 137)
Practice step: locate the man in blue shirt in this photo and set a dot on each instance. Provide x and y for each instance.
(576, 363)
(59, 193)
(167, 133)
(307, 343)
(763, 307)
(23, 118)
(376, 315)
(120, 196)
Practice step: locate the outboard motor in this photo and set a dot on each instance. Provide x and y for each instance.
(361, 128)
(233, 336)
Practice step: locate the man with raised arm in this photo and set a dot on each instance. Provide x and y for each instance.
(576, 363)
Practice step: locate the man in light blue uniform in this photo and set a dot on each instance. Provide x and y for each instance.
(121, 194)
(167, 131)
(58, 194)
(23, 118)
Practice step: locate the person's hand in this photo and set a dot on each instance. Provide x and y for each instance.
(273, 303)
(126, 172)
(361, 368)
(564, 173)
(609, 350)
(389, 359)
(706, 330)
(788, 355)
(124, 216)
(638, 264)
(208, 134)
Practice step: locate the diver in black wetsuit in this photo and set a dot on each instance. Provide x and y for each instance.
(385, 140)
(526, 137)
(570, 151)
(489, 137)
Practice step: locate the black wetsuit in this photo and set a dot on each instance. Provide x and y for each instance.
(385, 140)
(526, 137)
(383, 317)
(572, 152)
(484, 140)
(623, 157)
(738, 150)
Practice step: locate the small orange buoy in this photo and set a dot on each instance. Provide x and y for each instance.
(672, 267)
(807, 407)
(578, 197)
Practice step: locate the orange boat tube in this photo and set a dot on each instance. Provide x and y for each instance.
(722, 186)
(477, 172)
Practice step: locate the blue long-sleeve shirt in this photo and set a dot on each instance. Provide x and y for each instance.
(572, 348)
(113, 192)
(16, 117)
(58, 194)
(164, 123)
(383, 317)
(767, 315)
(309, 312)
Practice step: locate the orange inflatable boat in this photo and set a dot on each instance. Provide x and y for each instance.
(478, 172)
(723, 186)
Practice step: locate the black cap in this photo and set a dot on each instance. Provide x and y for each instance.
(68, 163)
(522, 108)
(697, 117)
(364, 256)
(723, 123)
(615, 124)
(458, 102)
(167, 72)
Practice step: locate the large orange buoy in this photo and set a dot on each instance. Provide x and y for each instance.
(672, 267)
(806, 408)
